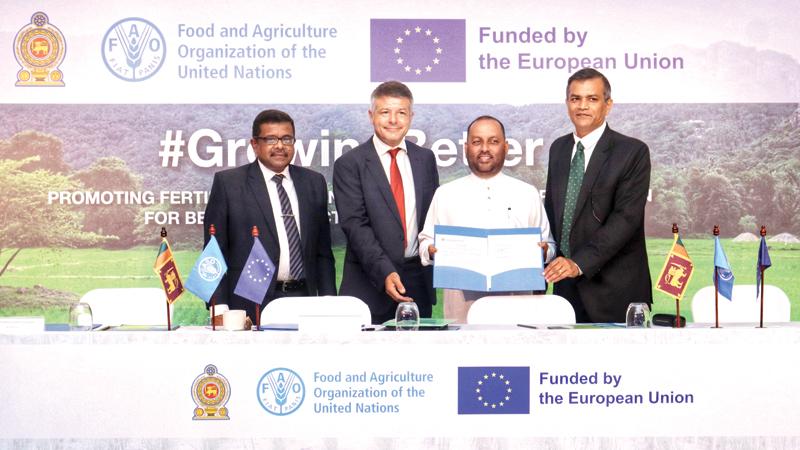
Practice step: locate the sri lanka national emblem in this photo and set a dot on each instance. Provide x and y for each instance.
(39, 48)
(210, 392)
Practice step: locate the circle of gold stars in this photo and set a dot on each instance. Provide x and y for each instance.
(494, 377)
(418, 69)
(251, 272)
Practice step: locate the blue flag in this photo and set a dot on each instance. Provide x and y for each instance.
(763, 263)
(418, 50)
(723, 271)
(207, 271)
(494, 390)
(256, 275)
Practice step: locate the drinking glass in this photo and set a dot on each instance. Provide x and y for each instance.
(637, 316)
(407, 316)
(80, 317)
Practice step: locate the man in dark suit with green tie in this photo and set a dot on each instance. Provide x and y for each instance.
(597, 187)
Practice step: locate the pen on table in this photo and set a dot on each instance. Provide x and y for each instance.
(523, 325)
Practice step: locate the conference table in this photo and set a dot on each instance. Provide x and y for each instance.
(468, 386)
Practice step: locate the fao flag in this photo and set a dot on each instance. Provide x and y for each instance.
(418, 50)
(208, 271)
(494, 390)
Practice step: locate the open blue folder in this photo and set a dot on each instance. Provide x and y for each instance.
(488, 260)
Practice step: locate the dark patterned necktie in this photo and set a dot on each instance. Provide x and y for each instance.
(576, 169)
(295, 251)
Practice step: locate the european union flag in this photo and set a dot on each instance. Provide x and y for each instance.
(207, 271)
(763, 263)
(494, 390)
(723, 271)
(418, 50)
(256, 275)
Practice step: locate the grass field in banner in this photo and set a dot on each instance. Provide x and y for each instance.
(45, 281)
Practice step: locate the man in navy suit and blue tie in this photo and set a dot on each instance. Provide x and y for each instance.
(383, 189)
(597, 187)
(288, 204)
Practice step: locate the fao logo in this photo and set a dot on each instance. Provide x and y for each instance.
(281, 391)
(210, 269)
(134, 49)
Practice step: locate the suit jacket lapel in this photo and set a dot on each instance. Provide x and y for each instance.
(258, 188)
(599, 156)
(561, 177)
(302, 188)
(375, 169)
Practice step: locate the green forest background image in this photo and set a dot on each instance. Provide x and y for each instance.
(734, 165)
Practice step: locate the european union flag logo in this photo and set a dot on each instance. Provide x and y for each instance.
(418, 50)
(257, 274)
(494, 390)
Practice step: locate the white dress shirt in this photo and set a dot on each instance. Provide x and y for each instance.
(410, 198)
(497, 202)
(284, 273)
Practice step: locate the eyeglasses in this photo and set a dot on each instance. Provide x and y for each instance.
(273, 140)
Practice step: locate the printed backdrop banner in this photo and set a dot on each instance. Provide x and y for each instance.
(314, 52)
(469, 390)
(116, 118)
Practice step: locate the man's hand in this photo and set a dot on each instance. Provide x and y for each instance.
(561, 268)
(395, 289)
(432, 251)
(544, 247)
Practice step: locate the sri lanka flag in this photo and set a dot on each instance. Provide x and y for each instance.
(167, 272)
(677, 270)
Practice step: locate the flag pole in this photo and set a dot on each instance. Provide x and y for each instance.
(677, 299)
(258, 305)
(716, 282)
(761, 269)
(169, 319)
(212, 230)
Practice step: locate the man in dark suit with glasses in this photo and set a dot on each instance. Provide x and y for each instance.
(288, 204)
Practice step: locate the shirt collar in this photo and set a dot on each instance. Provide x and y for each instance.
(382, 148)
(498, 177)
(590, 140)
(269, 173)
